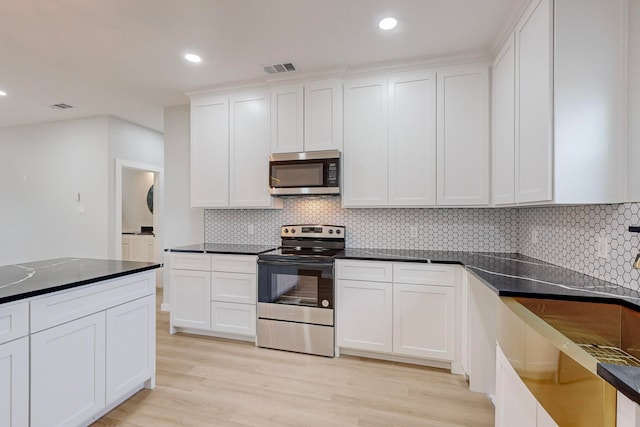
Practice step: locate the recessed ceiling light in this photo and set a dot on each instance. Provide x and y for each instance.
(192, 57)
(388, 23)
(3, 93)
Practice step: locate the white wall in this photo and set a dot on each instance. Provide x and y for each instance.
(40, 219)
(633, 155)
(135, 211)
(134, 143)
(184, 225)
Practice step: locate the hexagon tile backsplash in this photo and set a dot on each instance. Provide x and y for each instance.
(569, 236)
(565, 236)
(493, 230)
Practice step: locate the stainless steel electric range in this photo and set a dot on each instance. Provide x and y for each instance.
(296, 290)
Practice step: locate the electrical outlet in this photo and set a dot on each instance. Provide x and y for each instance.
(81, 210)
(602, 247)
(413, 231)
(534, 236)
(251, 229)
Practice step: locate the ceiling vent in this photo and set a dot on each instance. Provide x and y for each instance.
(279, 68)
(61, 106)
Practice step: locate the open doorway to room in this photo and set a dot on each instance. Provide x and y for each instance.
(138, 231)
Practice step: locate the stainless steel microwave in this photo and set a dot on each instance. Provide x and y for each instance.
(309, 173)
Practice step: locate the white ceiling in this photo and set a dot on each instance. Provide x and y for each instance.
(124, 57)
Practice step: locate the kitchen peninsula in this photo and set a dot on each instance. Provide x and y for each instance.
(77, 338)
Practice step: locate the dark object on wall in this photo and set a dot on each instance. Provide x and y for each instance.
(634, 229)
(150, 199)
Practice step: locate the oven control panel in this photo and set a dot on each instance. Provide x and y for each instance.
(315, 231)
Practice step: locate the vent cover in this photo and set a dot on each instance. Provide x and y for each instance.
(61, 106)
(279, 68)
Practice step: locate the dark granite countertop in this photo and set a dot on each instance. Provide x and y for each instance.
(223, 248)
(509, 274)
(21, 281)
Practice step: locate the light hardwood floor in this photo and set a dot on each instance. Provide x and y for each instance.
(214, 382)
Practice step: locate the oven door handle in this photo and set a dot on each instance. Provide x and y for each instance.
(295, 262)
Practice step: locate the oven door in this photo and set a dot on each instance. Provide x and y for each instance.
(296, 283)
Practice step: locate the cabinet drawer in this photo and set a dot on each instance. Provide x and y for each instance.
(78, 302)
(190, 261)
(14, 321)
(233, 318)
(234, 263)
(374, 271)
(424, 274)
(233, 287)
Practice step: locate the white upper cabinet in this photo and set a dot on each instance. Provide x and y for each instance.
(306, 117)
(504, 124)
(390, 141)
(287, 119)
(412, 139)
(534, 106)
(569, 105)
(210, 152)
(463, 136)
(323, 115)
(249, 150)
(230, 151)
(365, 162)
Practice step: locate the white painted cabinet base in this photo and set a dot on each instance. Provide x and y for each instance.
(627, 412)
(67, 372)
(14, 384)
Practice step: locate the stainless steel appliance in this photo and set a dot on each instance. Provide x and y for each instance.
(296, 290)
(309, 173)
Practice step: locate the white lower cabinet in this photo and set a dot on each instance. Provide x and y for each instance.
(14, 383)
(424, 321)
(131, 346)
(190, 299)
(365, 315)
(515, 404)
(215, 294)
(627, 412)
(68, 372)
(403, 309)
(83, 366)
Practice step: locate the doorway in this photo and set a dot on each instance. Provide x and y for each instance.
(138, 213)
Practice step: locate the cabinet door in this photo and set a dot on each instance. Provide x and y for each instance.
(141, 248)
(190, 299)
(504, 125)
(131, 338)
(210, 152)
(534, 103)
(234, 287)
(515, 405)
(14, 383)
(287, 119)
(412, 139)
(463, 136)
(424, 323)
(365, 146)
(68, 372)
(232, 318)
(249, 151)
(323, 115)
(543, 418)
(364, 315)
